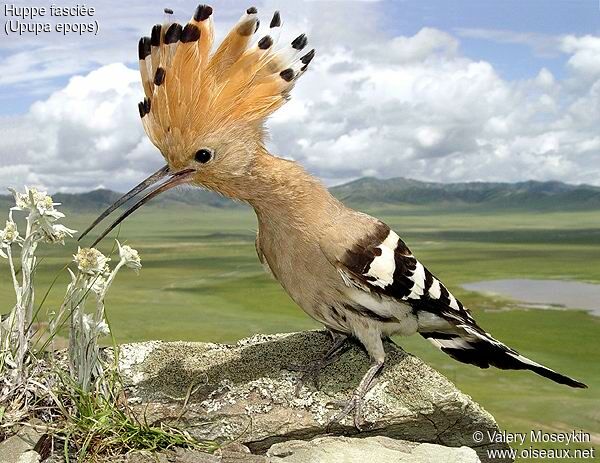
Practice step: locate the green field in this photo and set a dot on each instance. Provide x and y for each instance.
(201, 281)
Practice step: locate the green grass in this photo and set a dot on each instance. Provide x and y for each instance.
(97, 427)
(201, 281)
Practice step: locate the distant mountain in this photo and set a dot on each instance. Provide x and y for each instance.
(101, 199)
(530, 195)
(96, 200)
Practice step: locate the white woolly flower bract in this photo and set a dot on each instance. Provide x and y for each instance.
(130, 257)
(42, 214)
(90, 261)
(35, 200)
(102, 328)
(9, 234)
(58, 233)
(99, 328)
(100, 285)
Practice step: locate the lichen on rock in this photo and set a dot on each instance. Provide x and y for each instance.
(245, 392)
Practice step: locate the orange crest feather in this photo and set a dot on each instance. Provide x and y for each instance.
(190, 92)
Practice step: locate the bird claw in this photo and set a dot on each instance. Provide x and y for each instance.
(310, 373)
(354, 404)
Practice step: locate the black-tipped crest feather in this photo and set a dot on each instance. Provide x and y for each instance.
(155, 36)
(195, 85)
(276, 20)
(190, 33)
(173, 33)
(265, 42)
(287, 74)
(159, 77)
(300, 42)
(144, 48)
(306, 59)
(202, 13)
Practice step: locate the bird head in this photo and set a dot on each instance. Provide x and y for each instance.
(205, 110)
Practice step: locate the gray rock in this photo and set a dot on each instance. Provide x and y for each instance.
(31, 456)
(244, 392)
(20, 447)
(239, 453)
(372, 449)
(177, 455)
(232, 453)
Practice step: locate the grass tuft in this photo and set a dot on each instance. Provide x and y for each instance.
(102, 424)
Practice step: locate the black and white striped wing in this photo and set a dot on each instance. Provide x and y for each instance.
(381, 263)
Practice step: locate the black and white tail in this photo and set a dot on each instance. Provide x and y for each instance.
(381, 263)
(470, 344)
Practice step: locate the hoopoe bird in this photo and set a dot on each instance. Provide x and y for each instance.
(205, 111)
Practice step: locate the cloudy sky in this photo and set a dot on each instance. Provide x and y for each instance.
(430, 89)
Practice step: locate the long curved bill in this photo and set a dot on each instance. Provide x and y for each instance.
(155, 177)
(177, 178)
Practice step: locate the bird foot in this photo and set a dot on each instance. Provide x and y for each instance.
(312, 371)
(310, 374)
(354, 406)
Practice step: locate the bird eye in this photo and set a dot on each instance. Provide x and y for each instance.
(203, 155)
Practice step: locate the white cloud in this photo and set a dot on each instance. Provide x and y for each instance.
(585, 55)
(412, 106)
(541, 44)
(416, 107)
(85, 135)
(422, 45)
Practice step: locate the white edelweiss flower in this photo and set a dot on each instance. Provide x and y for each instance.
(42, 214)
(89, 325)
(58, 233)
(99, 285)
(102, 328)
(31, 198)
(38, 201)
(10, 234)
(21, 200)
(42, 201)
(87, 322)
(130, 257)
(90, 261)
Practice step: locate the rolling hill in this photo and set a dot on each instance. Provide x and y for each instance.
(530, 195)
(368, 191)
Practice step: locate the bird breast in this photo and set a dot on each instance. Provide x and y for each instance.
(314, 283)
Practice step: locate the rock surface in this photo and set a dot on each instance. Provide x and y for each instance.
(177, 455)
(245, 392)
(371, 449)
(20, 447)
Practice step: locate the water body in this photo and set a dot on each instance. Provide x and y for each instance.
(544, 294)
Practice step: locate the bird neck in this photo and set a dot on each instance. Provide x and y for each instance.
(283, 194)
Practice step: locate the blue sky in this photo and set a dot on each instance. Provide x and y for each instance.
(537, 56)
(513, 57)
(529, 27)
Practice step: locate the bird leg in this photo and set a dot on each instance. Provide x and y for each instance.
(312, 371)
(356, 401)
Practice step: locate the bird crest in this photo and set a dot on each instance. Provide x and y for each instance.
(191, 91)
